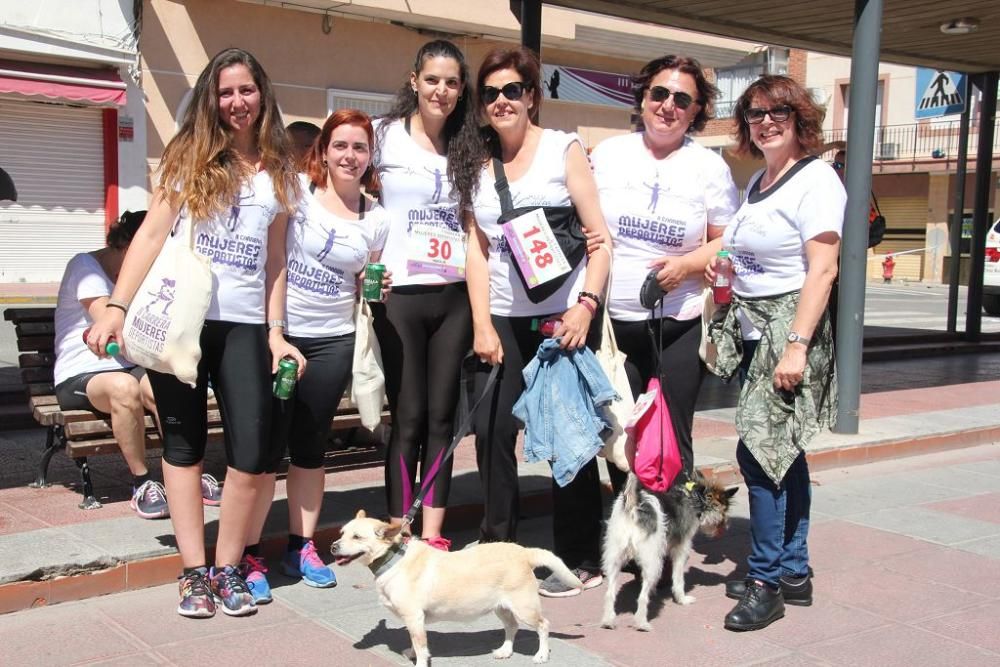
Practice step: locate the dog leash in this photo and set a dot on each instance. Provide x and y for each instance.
(460, 432)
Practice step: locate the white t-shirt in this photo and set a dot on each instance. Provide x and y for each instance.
(544, 184)
(655, 208)
(767, 237)
(325, 255)
(415, 191)
(236, 242)
(83, 279)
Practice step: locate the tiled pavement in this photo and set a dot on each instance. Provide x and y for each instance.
(907, 560)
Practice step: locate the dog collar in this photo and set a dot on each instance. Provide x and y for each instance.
(384, 563)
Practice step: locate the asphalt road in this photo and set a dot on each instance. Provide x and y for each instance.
(916, 306)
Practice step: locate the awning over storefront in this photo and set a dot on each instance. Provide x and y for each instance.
(101, 87)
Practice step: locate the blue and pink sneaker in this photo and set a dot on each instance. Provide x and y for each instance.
(231, 592)
(253, 570)
(305, 564)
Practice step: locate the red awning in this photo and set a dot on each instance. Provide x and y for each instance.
(60, 82)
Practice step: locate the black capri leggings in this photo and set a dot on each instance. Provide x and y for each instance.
(302, 422)
(235, 357)
(682, 374)
(424, 333)
(577, 507)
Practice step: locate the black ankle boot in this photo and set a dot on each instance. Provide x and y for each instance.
(796, 591)
(760, 606)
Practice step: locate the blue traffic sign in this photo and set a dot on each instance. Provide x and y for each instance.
(939, 93)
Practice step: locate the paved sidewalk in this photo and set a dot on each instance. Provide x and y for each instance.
(907, 560)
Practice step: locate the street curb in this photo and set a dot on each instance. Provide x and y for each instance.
(158, 570)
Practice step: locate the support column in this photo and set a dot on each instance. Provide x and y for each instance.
(980, 217)
(958, 210)
(529, 14)
(854, 247)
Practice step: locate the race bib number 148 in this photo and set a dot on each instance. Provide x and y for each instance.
(534, 248)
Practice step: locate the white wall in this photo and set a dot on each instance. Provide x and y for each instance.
(87, 33)
(824, 71)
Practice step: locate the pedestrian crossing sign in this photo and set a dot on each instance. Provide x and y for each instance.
(939, 93)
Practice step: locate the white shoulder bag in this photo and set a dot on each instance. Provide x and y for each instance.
(368, 381)
(163, 325)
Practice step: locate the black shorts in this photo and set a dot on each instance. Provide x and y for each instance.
(72, 393)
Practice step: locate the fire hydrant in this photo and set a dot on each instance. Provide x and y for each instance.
(888, 265)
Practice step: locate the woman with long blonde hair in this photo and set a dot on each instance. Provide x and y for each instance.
(228, 171)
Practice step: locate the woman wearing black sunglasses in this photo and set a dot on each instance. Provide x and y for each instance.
(428, 159)
(666, 200)
(543, 168)
(784, 242)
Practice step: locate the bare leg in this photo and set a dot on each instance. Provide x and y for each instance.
(265, 497)
(238, 504)
(305, 499)
(146, 394)
(433, 519)
(187, 514)
(118, 395)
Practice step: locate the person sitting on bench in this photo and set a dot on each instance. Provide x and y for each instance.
(112, 386)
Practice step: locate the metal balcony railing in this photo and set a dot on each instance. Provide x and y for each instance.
(936, 140)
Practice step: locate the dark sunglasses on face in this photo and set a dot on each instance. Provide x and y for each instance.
(660, 94)
(512, 91)
(754, 115)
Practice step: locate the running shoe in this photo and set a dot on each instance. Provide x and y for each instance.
(196, 598)
(211, 492)
(150, 500)
(554, 587)
(306, 564)
(230, 590)
(253, 570)
(438, 542)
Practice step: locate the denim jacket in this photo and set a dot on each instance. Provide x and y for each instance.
(562, 408)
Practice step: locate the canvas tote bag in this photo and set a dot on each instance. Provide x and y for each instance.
(163, 324)
(368, 381)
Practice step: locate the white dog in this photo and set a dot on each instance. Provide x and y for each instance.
(421, 584)
(646, 526)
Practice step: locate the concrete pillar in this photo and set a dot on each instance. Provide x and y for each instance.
(936, 239)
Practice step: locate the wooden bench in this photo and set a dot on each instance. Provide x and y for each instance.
(82, 433)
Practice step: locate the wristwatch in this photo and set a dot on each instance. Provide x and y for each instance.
(795, 338)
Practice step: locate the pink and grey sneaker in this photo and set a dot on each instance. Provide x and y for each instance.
(150, 500)
(438, 542)
(307, 565)
(196, 596)
(253, 570)
(211, 492)
(230, 591)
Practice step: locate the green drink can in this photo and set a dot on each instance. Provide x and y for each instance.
(372, 287)
(284, 379)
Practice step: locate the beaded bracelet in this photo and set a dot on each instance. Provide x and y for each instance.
(590, 295)
(586, 304)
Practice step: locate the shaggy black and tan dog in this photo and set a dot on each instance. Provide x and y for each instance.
(646, 527)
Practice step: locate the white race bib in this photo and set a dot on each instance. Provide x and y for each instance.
(436, 249)
(534, 248)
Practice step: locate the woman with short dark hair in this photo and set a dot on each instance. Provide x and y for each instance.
(784, 243)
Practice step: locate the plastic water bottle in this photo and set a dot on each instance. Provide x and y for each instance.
(722, 288)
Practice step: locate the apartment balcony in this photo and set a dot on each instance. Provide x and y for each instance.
(921, 146)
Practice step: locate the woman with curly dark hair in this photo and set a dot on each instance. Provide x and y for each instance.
(666, 200)
(784, 243)
(428, 158)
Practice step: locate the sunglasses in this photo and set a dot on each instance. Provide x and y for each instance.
(512, 91)
(660, 94)
(777, 114)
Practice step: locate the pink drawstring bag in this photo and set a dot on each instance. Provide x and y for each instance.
(654, 450)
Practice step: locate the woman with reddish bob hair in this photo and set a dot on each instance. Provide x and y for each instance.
(334, 232)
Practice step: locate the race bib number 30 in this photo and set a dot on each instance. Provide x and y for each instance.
(435, 249)
(534, 248)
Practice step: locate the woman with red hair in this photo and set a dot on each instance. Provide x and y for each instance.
(335, 231)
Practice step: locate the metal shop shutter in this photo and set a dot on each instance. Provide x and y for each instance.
(55, 155)
(906, 229)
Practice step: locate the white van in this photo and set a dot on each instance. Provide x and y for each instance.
(991, 273)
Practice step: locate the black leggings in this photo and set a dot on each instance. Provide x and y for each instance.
(302, 422)
(236, 359)
(424, 332)
(682, 374)
(577, 507)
